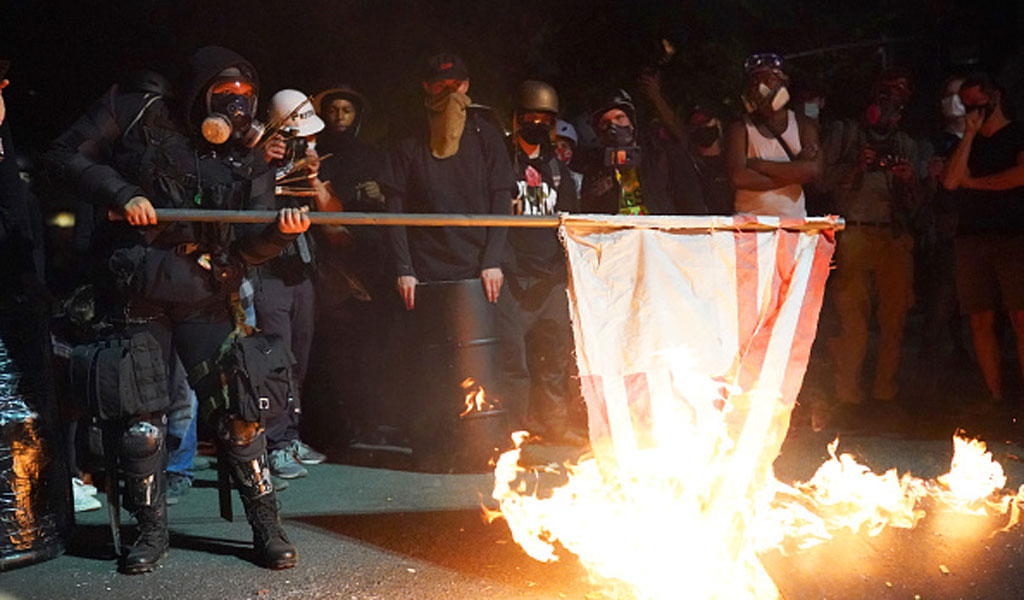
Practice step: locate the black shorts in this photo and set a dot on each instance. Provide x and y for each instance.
(990, 272)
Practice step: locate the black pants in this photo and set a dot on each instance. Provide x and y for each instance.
(536, 351)
(286, 311)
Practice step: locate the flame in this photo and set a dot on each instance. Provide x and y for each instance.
(693, 506)
(476, 398)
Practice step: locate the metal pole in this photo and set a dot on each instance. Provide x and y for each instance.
(461, 220)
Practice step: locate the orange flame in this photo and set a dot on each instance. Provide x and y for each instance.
(476, 398)
(696, 507)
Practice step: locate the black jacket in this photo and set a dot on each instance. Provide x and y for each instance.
(668, 180)
(132, 143)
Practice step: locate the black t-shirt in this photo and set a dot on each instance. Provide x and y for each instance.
(993, 212)
(477, 179)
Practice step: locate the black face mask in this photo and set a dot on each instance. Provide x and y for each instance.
(705, 137)
(618, 135)
(535, 133)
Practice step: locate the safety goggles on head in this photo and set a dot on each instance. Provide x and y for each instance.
(767, 60)
(440, 86)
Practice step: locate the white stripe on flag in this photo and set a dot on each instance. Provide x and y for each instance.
(776, 360)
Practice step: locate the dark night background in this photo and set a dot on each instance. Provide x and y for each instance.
(64, 55)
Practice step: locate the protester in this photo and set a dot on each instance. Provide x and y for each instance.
(170, 284)
(566, 142)
(706, 149)
(283, 286)
(537, 339)
(458, 163)
(987, 172)
(871, 173)
(938, 279)
(631, 173)
(772, 152)
(354, 288)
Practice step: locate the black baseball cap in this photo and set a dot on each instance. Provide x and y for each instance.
(445, 66)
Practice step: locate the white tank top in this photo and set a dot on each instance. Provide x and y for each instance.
(787, 201)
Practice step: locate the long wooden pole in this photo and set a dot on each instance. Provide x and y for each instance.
(458, 220)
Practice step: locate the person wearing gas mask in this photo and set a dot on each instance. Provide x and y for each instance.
(772, 152)
(876, 189)
(283, 296)
(986, 173)
(704, 130)
(633, 174)
(457, 164)
(170, 285)
(536, 337)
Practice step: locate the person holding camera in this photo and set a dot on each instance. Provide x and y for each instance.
(773, 151)
(169, 287)
(871, 174)
(283, 286)
(536, 336)
(986, 174)
(636, 173)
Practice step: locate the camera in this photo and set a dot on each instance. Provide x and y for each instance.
(622, 157)
(295, 145)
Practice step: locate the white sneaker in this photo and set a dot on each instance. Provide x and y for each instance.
(83, 487)
(83, 501)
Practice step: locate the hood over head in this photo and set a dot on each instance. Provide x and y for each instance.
(203, 66)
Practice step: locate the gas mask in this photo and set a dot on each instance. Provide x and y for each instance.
(761, 96)
(230, 106)
(953, 107)
(883, 114)
(618, 135)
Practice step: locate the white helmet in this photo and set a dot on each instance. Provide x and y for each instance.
(304, 121)
(565, 130)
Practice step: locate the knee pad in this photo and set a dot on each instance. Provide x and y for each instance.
(141, 448)
(243, 440)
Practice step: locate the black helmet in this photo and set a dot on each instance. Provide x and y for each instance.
(536, 96)
(619, 99)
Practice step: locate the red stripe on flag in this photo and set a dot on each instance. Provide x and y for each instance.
(746, 288)
(807, 324)
(638, 398)
(782, 276)
(592, 388)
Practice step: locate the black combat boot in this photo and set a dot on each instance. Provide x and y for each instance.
(144, 457)
(152, 542)
(273, 550)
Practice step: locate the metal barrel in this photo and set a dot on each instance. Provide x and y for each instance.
(35, 492)
(453, 337)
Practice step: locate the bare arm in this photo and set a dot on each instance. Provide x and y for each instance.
(956, 167)
(1006, 180)
(805, 168)
(741, 176)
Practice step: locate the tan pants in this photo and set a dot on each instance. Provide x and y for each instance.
(871, 265)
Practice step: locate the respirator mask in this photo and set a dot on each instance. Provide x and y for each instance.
(230, 110)
(534, 128)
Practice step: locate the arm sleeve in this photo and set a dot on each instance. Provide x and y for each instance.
(501, 183)
(80, 157)
(394, 179)
(256, 243)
